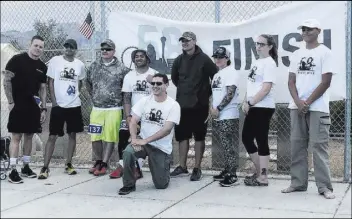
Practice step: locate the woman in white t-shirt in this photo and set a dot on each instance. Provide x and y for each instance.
(259, 107)
(225, 115)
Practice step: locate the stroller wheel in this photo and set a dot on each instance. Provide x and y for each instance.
(3, 176)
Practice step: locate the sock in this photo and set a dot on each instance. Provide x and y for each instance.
(140, 162)
(121, 162)
(26, 159)
(13, 162)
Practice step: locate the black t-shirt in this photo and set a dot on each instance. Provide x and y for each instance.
(29, 74)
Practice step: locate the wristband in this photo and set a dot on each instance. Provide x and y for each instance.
(218, 108)
(43, 109)
(249, 103)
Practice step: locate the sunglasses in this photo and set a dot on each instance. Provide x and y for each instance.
(156, 83)
(68, 47)
(106, 49)
(307, 29)
(260, 44)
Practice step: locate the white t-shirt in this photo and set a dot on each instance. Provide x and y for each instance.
(66, 77)
(309, 65)
(137, 84)
(225, 77)
(263, 70)
(153, 116)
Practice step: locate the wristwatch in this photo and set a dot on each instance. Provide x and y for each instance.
(249, 103)
(43, 109)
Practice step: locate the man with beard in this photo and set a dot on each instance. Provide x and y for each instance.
(104, 84)
(142, 74)
(65, 74)
(191, 73)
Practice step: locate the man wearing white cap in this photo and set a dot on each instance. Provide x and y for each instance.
(310, 74)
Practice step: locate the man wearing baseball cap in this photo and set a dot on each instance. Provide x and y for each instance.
(191, 73)
(65, 74)
(136, 85)
(104, 84)
(310, 73)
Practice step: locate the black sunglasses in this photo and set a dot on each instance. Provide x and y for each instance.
(260, 44)
(307, 29)
(106, 49)
(156, 83)
(69, 47)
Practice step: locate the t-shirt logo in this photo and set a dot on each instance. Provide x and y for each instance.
(68, 73)
(154, 116)
(217, 83)
(306, 66)
(140, 85)
(252, 74)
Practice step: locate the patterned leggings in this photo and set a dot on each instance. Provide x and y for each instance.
(224, 134)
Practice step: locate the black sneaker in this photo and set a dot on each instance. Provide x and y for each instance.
(27, 172)
(179, 171)
(196, 174)
(221, 176)
(14, 177)
(126, 190)
(44, 173)
(230, 180)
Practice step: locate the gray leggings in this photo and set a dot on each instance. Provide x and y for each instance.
(158, 161)
(224, 134)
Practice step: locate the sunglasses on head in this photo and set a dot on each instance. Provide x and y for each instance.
(106, 49)
(156, 83)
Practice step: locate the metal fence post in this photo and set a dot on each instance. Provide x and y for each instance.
(217, 11)
(92, 39)
(103, 19)
(347, 154)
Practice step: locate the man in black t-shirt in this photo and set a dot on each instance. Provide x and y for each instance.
(25, 89)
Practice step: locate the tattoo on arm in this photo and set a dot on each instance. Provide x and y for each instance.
(8, 75)
(127, 97)
(229, 95)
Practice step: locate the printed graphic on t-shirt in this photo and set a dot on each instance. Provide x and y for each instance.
(71, 90)
(252, 74)
(68, 74)
(141, 85)
(154, 117)
(217, 83)
(306, 66)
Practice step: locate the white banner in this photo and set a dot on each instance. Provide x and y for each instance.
(160, 36)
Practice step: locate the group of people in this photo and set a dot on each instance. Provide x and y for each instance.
(143, 121)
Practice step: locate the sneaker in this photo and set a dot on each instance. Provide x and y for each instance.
(117, 173)
(196, 174)
(221, 176)
(179, 171)
(44, 173)
(27, 172)
(101, 171)
(126, 190)
(95, 167)
(14, 177)
(230, 180)
(70, 170)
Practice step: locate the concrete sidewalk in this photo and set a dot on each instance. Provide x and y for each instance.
(84, 195)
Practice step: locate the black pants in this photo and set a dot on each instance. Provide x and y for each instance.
(256, 126)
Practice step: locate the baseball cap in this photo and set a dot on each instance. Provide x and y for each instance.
(133, 54)
(188, 36)
(221, 52)
(311, 23)
(71, 42)
(109, 43)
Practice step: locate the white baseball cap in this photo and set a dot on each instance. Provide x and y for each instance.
(312, 23)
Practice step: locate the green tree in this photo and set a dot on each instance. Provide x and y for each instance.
(54, 37)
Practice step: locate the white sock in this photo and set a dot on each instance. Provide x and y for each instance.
(26, 159)
(13, 162)
(140, 162)
(121, 162)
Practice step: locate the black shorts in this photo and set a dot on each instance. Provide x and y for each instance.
(193, 121)
(72, 117)
(24, 118)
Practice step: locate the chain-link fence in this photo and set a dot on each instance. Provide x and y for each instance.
(57, 21)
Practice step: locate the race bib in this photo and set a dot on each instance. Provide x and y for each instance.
(38, 101)
(123, 125)
(95, 129)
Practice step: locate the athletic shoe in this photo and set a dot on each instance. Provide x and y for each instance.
(179, 171)
(44, 173)
(230, 180)
(95, 167)
(126, 190)
(27, 172)
(117, 173)
(221, 176)
(196, 174)
(70, 170)
(14, 177)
